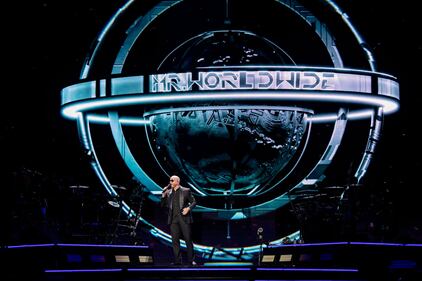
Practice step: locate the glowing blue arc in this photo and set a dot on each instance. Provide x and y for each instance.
(71, 110)
(126, 154)
(86, 141)
(346, 86)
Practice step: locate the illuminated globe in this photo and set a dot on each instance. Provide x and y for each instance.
(229, 149)
(229, 111)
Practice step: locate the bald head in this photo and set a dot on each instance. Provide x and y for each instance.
(174, 181)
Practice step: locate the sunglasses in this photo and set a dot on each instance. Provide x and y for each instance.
(171, 180)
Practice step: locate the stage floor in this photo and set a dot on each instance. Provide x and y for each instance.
(318, 261)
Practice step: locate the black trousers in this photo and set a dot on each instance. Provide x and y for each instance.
(178, 228)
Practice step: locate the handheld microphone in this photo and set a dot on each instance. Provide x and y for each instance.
(167, 187)
(260, 233)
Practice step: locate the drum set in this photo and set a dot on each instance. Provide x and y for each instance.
(102, 219)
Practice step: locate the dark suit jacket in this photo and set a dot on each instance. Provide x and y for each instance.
(186, 199)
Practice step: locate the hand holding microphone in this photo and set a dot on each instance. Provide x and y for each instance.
(166, 190)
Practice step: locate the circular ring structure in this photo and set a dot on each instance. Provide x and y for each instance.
(275, 85)
(345, 94)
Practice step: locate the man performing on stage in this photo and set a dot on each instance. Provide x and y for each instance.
(180, 202)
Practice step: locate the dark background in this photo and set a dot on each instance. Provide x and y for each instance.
(40, 150)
